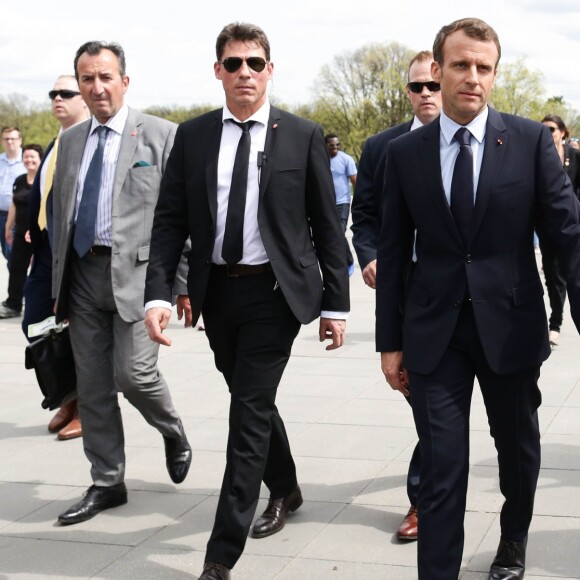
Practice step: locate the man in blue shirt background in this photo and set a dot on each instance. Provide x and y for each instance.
(344, 172)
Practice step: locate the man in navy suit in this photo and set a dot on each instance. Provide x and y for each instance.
(367, 210)
(254, 301)
(472, 185)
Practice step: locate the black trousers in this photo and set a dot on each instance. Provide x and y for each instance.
(555, 283)
(441, 404)
(251, 330)
(21, 254)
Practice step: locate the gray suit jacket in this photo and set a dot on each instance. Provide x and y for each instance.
(145, 139)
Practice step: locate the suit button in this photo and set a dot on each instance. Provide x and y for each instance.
(458, 303)
(468, 258)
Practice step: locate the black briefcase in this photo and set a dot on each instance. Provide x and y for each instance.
(51, 357)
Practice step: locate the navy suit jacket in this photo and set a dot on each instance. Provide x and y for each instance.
(367, 204)
(522, 186)
(296, 215)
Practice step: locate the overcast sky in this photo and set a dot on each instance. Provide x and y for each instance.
(170, 44)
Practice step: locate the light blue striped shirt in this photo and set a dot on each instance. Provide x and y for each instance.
(116, 124)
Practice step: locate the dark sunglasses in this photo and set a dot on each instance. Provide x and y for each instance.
(233, 63)
(63, 94)
(432, 86)
(552, 129)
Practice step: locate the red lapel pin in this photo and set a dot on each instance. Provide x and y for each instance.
(499, 142)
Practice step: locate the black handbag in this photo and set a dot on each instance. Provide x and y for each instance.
(52, 359)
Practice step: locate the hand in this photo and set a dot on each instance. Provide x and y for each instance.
(8, 235)
(27, 237)
(156, 321)
(184, 307)
(369, 274)
(396, 375)
(332, 329)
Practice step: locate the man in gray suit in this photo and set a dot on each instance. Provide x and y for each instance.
(105, 190)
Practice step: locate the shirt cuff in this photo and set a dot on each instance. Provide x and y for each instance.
(157, 304)
(335, 315)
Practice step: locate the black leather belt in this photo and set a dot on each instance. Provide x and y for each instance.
(100, 250)
(238, 270)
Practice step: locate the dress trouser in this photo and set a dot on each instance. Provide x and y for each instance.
(19, 262)
(414, 473)
(555, 283)
(251, 330)
(441, 404)
(112, 355)
(38, 302)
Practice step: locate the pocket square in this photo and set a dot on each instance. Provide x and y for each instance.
(142, 164)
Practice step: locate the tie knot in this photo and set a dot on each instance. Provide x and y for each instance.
(463, 136)
(245, 127)
(102, 131)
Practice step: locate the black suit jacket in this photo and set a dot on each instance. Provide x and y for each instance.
(367, 203)
(296, 215)
(521, 186)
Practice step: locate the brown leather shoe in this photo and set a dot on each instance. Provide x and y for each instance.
(214, 571)
(63, 417)
(274, 517)
(408, 529)
(71, 431)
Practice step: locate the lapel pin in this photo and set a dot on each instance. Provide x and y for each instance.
(133, 133)
(499, 142)
(275, 126)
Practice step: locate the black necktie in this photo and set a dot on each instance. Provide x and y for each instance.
(87, 215)
(233, 246)
(462, 183)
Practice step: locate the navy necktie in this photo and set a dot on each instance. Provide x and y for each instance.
(84, 235)
(462, 183)
(233, 245)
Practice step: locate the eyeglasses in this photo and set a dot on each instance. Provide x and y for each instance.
(11, 138)
(233, 63)
(63, 94)
(417, 87)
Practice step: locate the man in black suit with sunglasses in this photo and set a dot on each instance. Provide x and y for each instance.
(425, 98)
(251, 186)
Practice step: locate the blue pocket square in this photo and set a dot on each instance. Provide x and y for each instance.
(142, 164)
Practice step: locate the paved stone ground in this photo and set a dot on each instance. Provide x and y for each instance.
(352, 438)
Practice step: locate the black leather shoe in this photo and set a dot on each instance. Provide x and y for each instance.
(509, 562)
(214, 571)
(97, 498)
(274, 518)
(178, 457)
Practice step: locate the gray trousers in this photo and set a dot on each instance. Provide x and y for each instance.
(112, 356)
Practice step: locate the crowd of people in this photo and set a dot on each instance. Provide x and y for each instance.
(241, 213)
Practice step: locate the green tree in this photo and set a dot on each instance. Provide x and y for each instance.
(361, 93)
(178, 114)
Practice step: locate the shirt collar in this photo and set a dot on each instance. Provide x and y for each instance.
(115, 123)
(260, 116)
(476, 127)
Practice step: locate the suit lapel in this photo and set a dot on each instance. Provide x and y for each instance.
(129, 141)
(211, 165)
(496, 142)
(269, 148)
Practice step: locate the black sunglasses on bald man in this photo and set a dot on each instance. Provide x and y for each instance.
(432, 87)
(63, 94)
(233, 63)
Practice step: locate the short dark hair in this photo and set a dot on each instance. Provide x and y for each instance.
(94, 47)
(241, 32)
(558, 121)
(33, 147)
(330, 136)
(472, 27)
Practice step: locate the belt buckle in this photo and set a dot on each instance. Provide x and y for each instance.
(230, 271)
